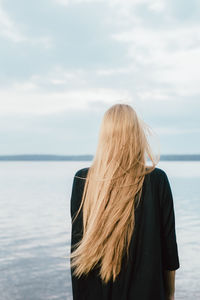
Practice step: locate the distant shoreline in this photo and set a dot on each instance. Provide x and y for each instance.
(51, 157)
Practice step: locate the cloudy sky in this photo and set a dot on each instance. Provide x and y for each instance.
(63, 63)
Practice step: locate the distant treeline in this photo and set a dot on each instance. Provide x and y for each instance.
(46, 157)
(50, 157)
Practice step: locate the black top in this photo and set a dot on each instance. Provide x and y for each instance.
(153, 246)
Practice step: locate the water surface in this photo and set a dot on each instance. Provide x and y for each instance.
(35, 228)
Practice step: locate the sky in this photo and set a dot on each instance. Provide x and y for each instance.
(63, 63)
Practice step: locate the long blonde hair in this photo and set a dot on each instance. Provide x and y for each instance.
(112, 189)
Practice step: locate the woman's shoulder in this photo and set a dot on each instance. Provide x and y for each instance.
(158, 172)
(82, 172)
(158, 175)
(159, 179)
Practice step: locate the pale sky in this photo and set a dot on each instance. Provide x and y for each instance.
(63, 63)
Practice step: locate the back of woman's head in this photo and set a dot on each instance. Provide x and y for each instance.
(112, 190)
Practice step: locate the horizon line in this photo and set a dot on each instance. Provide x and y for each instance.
(86, 157)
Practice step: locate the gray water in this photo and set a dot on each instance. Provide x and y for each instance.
(35, 228)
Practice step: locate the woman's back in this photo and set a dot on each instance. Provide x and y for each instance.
(152, 249)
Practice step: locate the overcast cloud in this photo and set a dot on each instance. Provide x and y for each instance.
(64, 62)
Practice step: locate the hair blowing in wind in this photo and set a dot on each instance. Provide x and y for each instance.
(112, 191)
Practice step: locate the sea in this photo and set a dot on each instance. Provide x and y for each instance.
(35, 227)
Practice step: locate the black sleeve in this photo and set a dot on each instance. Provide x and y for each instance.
(76, 195)
(168, 232)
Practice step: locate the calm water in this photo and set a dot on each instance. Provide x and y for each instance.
(35, 228)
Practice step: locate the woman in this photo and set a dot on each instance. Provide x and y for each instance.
(123, 243)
